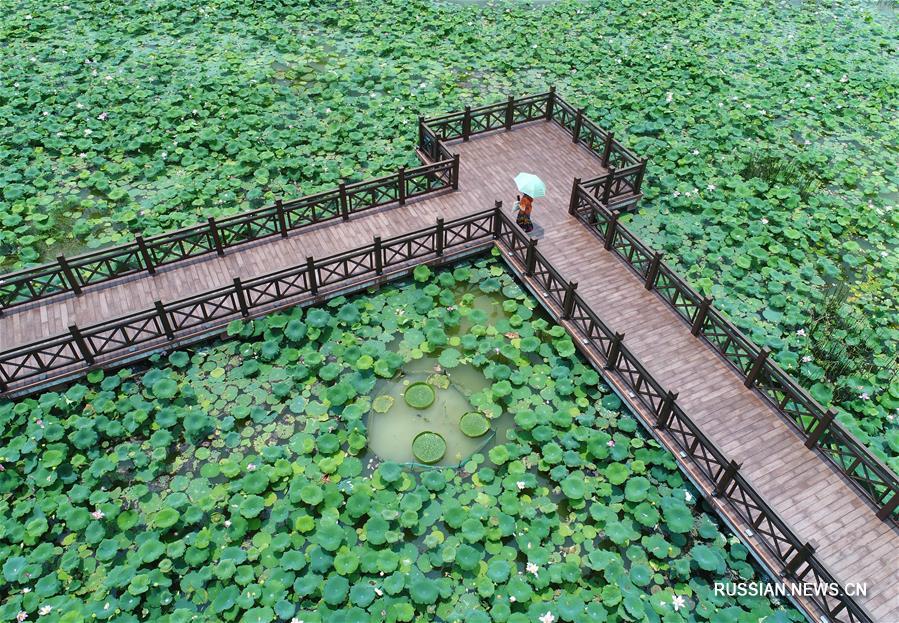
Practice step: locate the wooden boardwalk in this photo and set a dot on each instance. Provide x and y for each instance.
(816, 501)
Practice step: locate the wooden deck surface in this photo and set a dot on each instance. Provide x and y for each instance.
(806, 491)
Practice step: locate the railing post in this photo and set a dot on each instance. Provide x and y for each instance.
(510, 112)
(81, 344)
(652, 272)
(466, 123)
(823, 423)
(607, 149)
(164, 320)
(310, 275)
(607, 187)
(887, 509)
(379, 256)
(69, 274)
(241, 297)
(701, 313)
(216, 238)
(438, 237)
(282, 218)
(727, 477)
(578, 120)
(572, 203)
(530, 258)
(568, 300)
(757, 366)
(665, 410)
(421, 133)
(344, 202)
(455, 173)
(145, 254)
(611, 229)
(497, 219)
(803, 554)
(550, 103)
(614, 351)
(401, 185)
(639, 181)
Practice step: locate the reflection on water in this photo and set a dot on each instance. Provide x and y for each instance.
(390, 434)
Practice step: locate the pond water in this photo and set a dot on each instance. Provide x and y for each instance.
(390, 434)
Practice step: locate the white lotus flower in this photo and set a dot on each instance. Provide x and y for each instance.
(547, 618)
(45, 610)
(807, 359)
(251, 467)
(678, 602)
(688, 496)
(98, 514)
(227, 523)
(669, 96)
(532, 568)
(864, 396)
(520, 484)
(21, 616)
(801, 333)
(711, 187)
(764, 221)
(611, 443)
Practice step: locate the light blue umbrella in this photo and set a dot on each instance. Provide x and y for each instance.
(530, 184)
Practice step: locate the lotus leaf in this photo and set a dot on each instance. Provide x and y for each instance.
(166, 518)
(428, 447)
(474, 424)
(574, 487)
(419, 395)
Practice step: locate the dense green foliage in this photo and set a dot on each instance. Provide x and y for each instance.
(232, 482)
(770, 126)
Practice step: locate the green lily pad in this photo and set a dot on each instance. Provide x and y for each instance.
(474, 424)
(428, 447)
(419, 395)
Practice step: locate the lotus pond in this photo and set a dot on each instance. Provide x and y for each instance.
(770, 128)
(238, 481)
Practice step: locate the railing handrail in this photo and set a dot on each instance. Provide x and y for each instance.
(12, 356)
(128, 250)
(737, 480)
(888, 479)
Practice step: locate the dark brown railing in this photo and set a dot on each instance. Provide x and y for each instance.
(723, 476)
(85, 347)
(169, 324)
(620, 187)
(216, 235)
(818, 426)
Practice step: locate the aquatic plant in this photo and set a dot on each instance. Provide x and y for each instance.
(233, 481)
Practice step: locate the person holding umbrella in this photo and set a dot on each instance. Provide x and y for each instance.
(530, 186)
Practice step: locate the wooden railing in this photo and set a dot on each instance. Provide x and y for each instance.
(723, 476)
(619, 187)
(85, 347)
(168, 324)
(817, 425)
(216, 235)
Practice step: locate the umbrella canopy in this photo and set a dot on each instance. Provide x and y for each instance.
(530, 184)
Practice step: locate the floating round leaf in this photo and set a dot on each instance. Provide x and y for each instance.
(428, 447)
(419, 395)
(474, 424)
